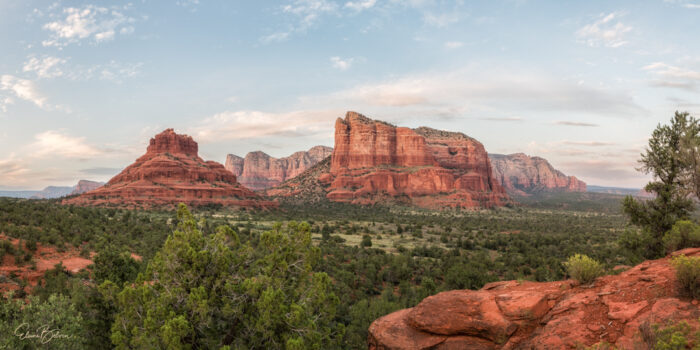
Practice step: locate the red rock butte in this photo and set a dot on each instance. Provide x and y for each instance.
(259, 171)
(374, 160)
(521, 174)
(171, 172)
(616, 309)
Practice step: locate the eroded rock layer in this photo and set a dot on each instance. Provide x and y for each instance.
(619, 310)
(169, 173)
(522, 175)
(259, 171)
(373, 161)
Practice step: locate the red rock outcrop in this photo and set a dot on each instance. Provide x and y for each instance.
(259, 171)
(85, 186)
(169, 173)
(521, 174)
(543, 315)
(373, 160)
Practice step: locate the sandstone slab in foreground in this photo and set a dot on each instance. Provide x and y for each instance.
(542, 315)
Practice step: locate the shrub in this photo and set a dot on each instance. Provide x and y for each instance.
(583, 269)
(31, 245)
(688, 274)
(604, 345)
(366, 241)
(669, 337)
(684, 234)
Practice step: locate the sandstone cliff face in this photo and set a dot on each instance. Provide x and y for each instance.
(169, 173)
(85, 186)
(234, 164)
(373, 160)
(522, 175)
(259, 171)
(542, 315)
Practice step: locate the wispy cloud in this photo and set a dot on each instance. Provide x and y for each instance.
(342, 63)
(667, 75)
(99, 24)
(21, 88)
(570, 123)
(607, 31)
(681, 103)
(12, 168)
(117, 72)
(275, 37)
(603, 170)
(100, 171)
(4, 102)
(54, 143)
(589, 143)
(481, 90)
(684, 3)
(441, 20)
(309, 10)
(233, 125)
(504, 119)
(112, 71)
(305, 13)
(45, 67)
(360, 5)
(188, 4)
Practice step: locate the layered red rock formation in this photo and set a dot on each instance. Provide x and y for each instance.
(169, 173)
(373, 160)
(305, 188)
(85, 186)
(546, 315)
(521, 175)
(259, 171)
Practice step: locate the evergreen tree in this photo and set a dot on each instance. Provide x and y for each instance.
(207, 292)
(54, 323)
(667, 162)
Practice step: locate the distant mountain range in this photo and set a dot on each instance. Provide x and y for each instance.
(637, 192)
(54, 191)
(18, 194)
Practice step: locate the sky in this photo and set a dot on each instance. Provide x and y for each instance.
(85, 84)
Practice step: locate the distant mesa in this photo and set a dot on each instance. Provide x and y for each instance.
(635, 192)
(169, 173)
(53, 192)
(523, 175)
(374, 161)
(86, 186)
(259, 171)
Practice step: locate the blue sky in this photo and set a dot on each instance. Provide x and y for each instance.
(84, 85)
